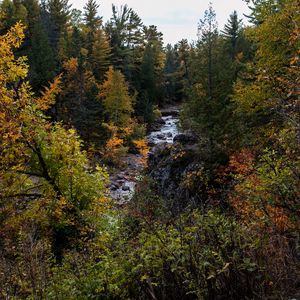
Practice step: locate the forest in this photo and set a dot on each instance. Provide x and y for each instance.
(214, 211)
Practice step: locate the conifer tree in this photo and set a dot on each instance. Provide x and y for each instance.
(92, 22)
(116, 98)
(100, 56)
(59, 16)
(41, 58)
(231, 32)
(96, 43)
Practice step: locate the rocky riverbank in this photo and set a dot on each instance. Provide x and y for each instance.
(171, 166)
(163, 131)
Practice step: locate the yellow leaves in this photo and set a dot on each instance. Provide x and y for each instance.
(10, 68)
(15, 36)
(116, 98)
(61, 205)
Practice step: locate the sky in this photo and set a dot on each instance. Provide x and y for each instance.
(176, 19)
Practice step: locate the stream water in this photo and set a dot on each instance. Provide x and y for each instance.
(123, 183)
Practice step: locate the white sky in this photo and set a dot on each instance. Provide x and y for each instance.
(176, 19)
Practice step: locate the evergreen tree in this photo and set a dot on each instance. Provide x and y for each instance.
(100, 56)
(208, 108)
(232, 32)
(33, 7)
(207, 39)
(11, 13)
(59, 16)
(41, 59)
(96, 43)
(92, 23)
(124, 31)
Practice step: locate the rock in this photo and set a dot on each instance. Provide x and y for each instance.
(114, 187)
(157, 124)
(170, 112)
(169, 134)
(169, 166)
(161, 136)
(160, 121)
(120, 176)
(125, 188)
(185, 138)
(151, 143)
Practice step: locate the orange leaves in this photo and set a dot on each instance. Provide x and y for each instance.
(107, 84)
(143, 148)
(115, 151)
(242, 163)
(49, 94)
(113, 143)
(259, 196)
(71, 65)
(279, 218)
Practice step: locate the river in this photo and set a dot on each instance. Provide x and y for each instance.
(123, 183)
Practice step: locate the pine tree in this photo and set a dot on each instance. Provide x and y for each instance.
(92, 23)
(59, 16)
(125, 34)
(11, 13)
(100, 56)
(41, 59)
(96, 42)
(207, 37)
(208, 108)
(232, 32)
(33, 7)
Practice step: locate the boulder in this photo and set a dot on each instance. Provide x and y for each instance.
(185, 138)
(169, 166)
(114, 187)
(170, 112)
(125, 188)
(156, 125)
(161, 136)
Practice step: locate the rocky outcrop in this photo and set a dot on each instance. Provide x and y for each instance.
(156, 125)
(171, 167)
(170, 111)
(185, 139)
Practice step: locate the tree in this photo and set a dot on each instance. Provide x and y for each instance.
(207, 37)
(261, 9)
(42, 166)
(231, 32)
(100, 55)
(59, 16)
(117, 101)
(41, 60)
(267, 105)
(96, 42)
(125, 34)
(92, 22)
